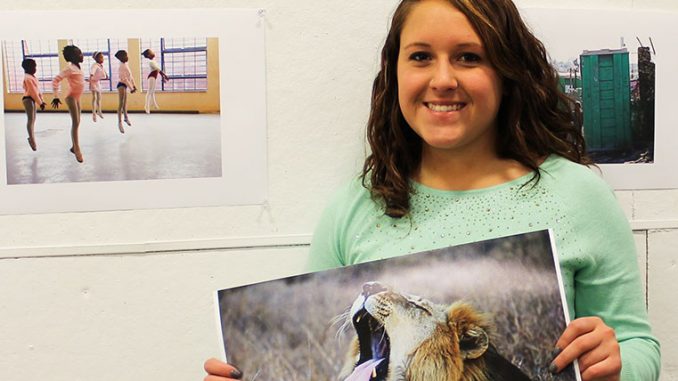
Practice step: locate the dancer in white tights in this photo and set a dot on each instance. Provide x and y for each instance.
(152, 80)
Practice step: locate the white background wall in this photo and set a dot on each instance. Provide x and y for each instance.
(128, 295)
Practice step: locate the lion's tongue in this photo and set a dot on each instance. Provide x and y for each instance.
(364, 371)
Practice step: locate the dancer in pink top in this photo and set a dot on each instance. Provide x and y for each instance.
(126, 81)
(96, 74)
(76, 83)
(32, 97)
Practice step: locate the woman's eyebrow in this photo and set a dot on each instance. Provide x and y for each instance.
(417, 45)
(464, 45)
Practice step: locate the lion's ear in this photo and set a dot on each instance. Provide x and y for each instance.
(473, 342)
(468, 325)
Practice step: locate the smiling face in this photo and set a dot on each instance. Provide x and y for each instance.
(448, 91)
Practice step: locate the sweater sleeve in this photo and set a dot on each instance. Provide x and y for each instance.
(609, 285)
(57, 80)
(131, 83)
(325, 252)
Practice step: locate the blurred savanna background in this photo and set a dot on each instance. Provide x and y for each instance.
(295, 328)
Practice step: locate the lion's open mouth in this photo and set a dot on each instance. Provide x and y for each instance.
(374, 348)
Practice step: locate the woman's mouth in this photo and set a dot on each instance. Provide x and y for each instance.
(447, 107)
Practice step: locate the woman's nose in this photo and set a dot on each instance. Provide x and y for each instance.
(444, 77)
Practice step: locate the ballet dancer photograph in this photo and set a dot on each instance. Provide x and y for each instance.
(202, 142)
(180, 141)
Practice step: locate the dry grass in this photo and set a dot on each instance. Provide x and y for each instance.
(283, 330)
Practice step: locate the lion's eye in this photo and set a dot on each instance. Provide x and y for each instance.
(419, 306)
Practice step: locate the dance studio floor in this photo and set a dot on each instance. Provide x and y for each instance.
(156, 146)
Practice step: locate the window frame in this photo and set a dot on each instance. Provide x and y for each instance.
(12, 68)
(166, 52)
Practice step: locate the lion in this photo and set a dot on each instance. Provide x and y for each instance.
(406, 338)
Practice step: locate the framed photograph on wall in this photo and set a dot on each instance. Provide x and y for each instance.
(179, 122)
(619, 67)
(495, 306)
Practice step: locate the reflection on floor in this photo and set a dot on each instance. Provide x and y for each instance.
(156, 146)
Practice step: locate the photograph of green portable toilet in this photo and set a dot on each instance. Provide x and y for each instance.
(606, 99)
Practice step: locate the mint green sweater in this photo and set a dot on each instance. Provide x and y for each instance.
(593, 239)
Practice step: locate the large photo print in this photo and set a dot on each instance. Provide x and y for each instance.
(492, 308)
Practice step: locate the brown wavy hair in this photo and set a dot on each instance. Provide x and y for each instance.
(534, 119)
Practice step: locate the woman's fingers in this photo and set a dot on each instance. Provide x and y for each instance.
(577, 328)
(606, 370)
(607, 350)
(591, 358)
(594, 344)
(217, 378)
(568, 350)
(218, 370)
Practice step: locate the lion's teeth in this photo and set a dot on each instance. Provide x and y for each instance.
(357, 320)
(374, 372)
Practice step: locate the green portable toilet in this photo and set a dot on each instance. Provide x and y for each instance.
(606, 94)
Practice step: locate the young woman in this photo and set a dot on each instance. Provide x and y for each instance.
(96, 74)
(32, 97)
(126, 82)
(471, 140)
(76, 84)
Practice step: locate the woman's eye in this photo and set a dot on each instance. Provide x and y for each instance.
(469, 58)
(420, 56)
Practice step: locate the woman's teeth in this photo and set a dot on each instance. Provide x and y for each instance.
(445, 108)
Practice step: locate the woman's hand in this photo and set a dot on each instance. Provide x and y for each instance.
(56, 102)
(218, 370)
(595, 344)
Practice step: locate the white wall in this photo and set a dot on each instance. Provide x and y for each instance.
(127, 295)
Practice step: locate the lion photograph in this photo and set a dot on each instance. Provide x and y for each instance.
(486, 311)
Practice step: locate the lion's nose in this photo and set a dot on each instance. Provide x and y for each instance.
(371, 288)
